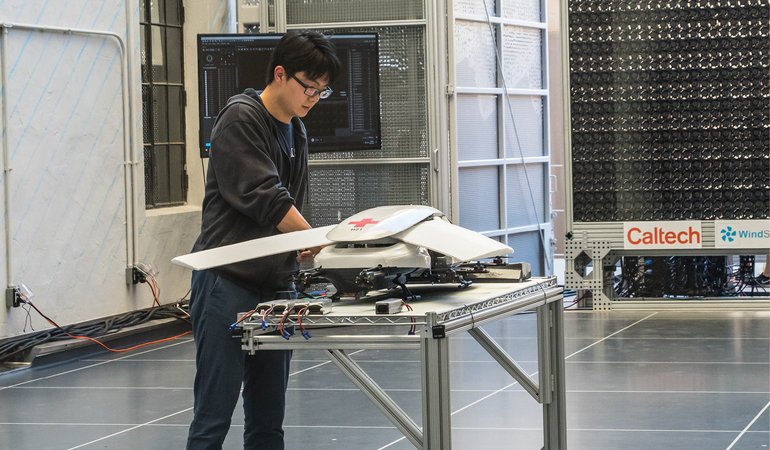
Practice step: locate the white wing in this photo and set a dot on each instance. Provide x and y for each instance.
(451, 240)
(255, 248)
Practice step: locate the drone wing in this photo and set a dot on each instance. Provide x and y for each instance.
(451, 240)
(255, 248)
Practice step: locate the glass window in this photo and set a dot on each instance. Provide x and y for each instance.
(163, 101)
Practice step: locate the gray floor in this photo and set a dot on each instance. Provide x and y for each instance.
(635, 380)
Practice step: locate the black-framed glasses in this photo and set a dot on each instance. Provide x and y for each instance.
(311, 91)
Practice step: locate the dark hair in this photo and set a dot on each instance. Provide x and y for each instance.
(305, 51)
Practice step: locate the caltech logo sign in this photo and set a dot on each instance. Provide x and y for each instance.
(649, 235)
(742, 234)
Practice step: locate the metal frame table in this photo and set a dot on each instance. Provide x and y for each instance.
(437, 316)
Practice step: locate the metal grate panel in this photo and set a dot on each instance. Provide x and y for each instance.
(149, 175)
(146, 114)
(341, 11)
(403, 115)
(339, 192)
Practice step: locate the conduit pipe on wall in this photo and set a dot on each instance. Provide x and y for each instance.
(129, 160)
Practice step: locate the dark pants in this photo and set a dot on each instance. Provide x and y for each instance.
(221, 367)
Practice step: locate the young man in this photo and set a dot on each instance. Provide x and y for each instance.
(255, 186)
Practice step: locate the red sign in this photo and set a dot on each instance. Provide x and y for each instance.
(662, 234)
(363, 222)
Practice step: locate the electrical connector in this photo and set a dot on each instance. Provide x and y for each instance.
(140, 272)
(16, 295)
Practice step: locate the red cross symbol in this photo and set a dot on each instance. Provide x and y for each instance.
(363, 222)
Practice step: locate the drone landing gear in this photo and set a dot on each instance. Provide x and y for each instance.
(408, 295)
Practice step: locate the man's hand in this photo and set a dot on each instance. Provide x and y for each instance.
(293, 221)
(308, 253)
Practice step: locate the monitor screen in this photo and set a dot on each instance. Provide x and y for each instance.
(347, 120)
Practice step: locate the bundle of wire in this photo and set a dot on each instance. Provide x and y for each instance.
(13, 349)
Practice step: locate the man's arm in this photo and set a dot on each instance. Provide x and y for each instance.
(294, 221)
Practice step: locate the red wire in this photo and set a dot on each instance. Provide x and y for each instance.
(413, 328)
(114, 350)
(299, 317)
(245, 316)
(283, 317)
(154, 295)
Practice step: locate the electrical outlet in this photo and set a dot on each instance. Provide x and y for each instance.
(16, 295)
(135, 276)
(12, 297)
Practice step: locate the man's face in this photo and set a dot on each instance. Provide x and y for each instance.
(299, 103)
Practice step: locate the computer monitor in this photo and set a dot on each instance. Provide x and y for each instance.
(347, 120)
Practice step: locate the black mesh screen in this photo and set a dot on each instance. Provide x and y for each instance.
(670, 109)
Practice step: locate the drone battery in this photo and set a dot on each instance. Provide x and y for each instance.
(388, 306)
(320, 306)
(275, 306)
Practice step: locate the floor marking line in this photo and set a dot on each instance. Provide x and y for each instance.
(609, 336)
(737, 438)
(184, 410)
(129, 429)
(94, 365)
(531, 375)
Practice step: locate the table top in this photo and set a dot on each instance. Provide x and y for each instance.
(447, 301)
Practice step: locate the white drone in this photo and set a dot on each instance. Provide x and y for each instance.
(379, 248)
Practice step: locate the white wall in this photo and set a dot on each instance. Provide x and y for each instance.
(70, 242)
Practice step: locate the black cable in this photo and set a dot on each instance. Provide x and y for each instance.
(17, 345)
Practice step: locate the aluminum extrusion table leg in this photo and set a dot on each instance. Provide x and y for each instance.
(506, 362)
(377, 395)
(550, 330)
(436, 412)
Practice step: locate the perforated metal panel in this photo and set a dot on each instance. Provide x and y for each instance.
(670, 110)
(530, 127)
(339, 192)
(341, 11)
(404, 116)
(479, 208)
(476, 127)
